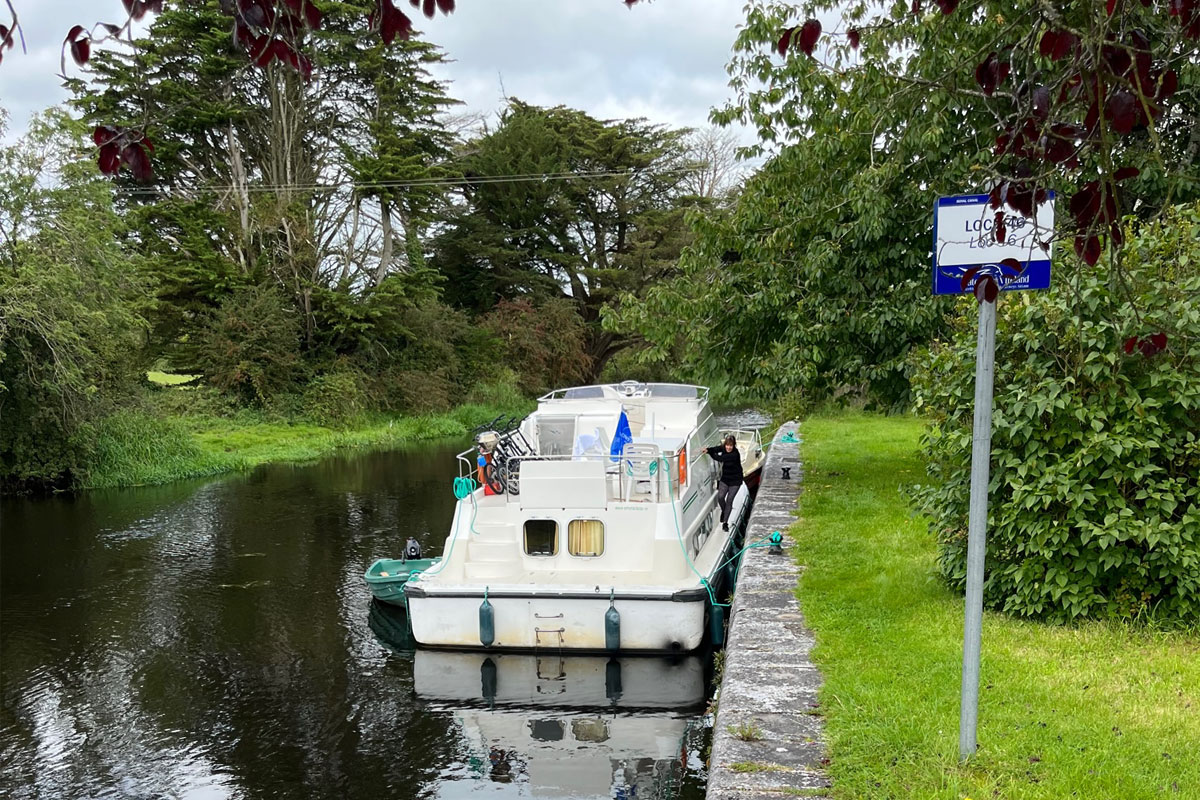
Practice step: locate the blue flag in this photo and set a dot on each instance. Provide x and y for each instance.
(622, 437)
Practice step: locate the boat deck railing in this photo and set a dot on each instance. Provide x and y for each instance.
(636, 477)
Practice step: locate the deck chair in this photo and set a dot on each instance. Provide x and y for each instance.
(640, 466)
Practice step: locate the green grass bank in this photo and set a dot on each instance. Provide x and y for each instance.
(141, 448)
(1093, 710)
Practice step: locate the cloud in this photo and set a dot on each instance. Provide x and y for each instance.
(662, 60)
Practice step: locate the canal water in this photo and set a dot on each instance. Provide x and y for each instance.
(215, 639)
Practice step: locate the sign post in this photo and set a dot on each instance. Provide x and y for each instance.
(968, 256)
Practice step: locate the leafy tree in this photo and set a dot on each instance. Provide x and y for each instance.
(1078, 97)
(71, 303)
(254, 167)
(604, 219)
(1094, 504)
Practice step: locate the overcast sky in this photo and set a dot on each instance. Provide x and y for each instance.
(663, 60)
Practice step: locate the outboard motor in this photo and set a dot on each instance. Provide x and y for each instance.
(412, 549)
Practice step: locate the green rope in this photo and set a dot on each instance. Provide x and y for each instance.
(463, 488)
(679, 535)
(759, 542)
(789, 438)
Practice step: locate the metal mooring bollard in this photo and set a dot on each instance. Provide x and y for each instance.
(776, 540)
(787, 473)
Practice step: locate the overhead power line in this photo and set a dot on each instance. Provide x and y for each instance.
(420, 182)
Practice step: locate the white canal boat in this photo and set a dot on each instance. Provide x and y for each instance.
(574, 542)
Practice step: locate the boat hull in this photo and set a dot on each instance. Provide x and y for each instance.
(528, 621)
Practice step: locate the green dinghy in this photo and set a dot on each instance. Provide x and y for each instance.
(387, 576)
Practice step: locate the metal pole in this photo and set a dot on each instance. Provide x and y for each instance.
(985, 364)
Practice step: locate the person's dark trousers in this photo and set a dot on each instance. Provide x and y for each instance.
(725, 495)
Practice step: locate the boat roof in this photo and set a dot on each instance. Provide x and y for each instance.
(628, 389)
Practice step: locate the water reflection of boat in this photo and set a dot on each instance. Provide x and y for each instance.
(563, 726)
(555, 679)
(390, 626)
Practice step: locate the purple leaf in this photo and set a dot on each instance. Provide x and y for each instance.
(139, 164)
(109, 160)
(784, 40)
(967, 276)
(1041, 102)
(809, 33)
(852, 35)
(1048, 43)
(986, 289)
(1170, 82)
(1121, 110)
(1012, 266)
(1088, 248)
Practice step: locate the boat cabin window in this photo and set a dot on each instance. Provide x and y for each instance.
(585, 537)
(541, 537)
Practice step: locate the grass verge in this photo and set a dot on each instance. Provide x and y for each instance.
(1093, 710)
(138, 448)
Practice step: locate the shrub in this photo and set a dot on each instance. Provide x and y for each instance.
(1094, 497)
(545, 344)
(335, 399)
(249, 345)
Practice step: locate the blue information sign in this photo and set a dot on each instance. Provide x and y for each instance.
(964, 238)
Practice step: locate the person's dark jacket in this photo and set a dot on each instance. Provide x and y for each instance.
(731, 464)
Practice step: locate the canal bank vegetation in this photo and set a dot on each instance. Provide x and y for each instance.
(1085, 709)
(138, 448)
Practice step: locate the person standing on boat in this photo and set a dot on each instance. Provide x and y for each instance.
(731, 475)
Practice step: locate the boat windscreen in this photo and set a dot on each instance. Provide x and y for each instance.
(584, 393)
(555, 435)
(671, 390)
